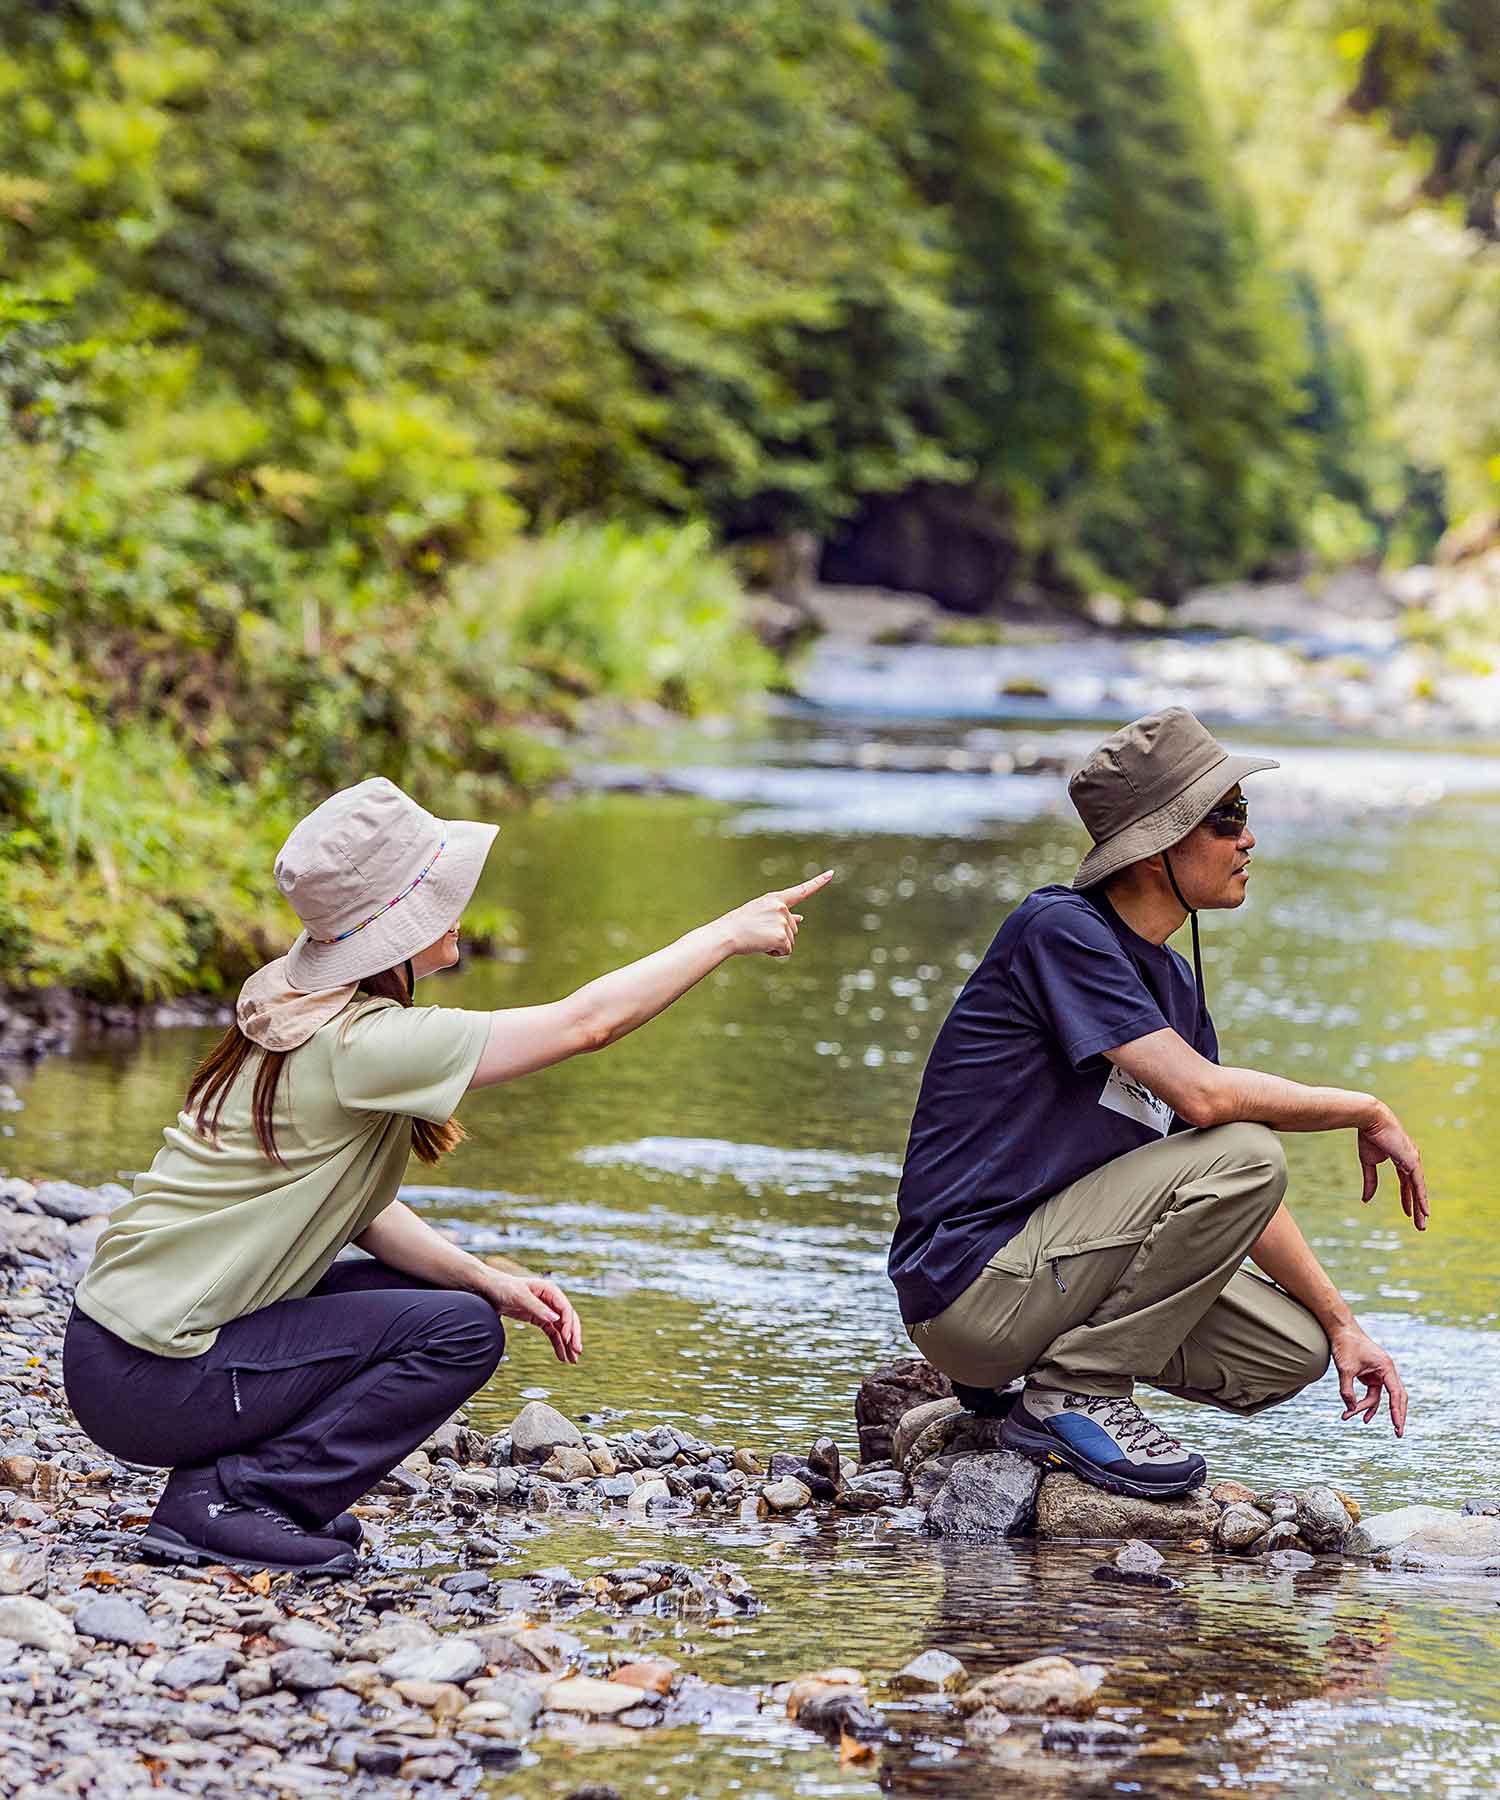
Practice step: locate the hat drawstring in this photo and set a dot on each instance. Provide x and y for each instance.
(1192, 913)
(411, 980)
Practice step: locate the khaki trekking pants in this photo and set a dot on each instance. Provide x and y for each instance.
(1133, 1273)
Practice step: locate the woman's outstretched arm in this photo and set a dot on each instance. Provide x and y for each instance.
(525, 1038)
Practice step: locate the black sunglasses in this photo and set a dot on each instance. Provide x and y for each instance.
(1227, 819)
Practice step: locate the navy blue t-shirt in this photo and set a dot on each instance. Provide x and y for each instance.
(1017, 1100)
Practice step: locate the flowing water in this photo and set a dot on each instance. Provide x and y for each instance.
(716, 1192)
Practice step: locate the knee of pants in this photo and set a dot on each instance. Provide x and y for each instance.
(1249, 1146)
(469, 1328)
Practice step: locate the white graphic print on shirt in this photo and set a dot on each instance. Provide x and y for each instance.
(1123, 1094)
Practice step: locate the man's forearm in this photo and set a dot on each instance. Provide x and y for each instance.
(1288, 1105)
(1285, 1255)
(405, 1242)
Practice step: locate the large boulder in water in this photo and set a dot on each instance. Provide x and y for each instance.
(886, 1395)
(987, 1498)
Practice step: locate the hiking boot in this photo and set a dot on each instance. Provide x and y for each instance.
(346, 1528)
(987, 1402)
(1103, 1438)
(196, 1521)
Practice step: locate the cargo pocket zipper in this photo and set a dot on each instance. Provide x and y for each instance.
(234, 1387)
(1062, 1286)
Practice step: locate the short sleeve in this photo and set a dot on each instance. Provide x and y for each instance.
(417, 1060)
(1084, 990)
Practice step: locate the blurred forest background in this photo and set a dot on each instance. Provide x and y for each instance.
(379, 382)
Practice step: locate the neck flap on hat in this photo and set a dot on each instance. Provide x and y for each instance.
(277, 1016)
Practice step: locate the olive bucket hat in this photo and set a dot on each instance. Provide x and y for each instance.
(375, 878)
(1144, 789)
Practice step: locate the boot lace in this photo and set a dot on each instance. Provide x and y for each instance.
(1125, 1422)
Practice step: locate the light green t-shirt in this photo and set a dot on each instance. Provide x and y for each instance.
(217, 1231)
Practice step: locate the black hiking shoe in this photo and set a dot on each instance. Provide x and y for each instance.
(346, 1528)
(1103, 1438)
(987, 1402)
(195, 1521)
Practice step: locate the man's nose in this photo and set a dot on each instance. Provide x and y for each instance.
(1246, 840)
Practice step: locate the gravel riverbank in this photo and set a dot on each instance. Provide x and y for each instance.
(461, 1645)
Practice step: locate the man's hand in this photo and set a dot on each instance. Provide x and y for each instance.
(541, 1303)
(1386, 1138)
(1358, 1358)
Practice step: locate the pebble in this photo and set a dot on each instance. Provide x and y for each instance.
(113, 1619)
(303, 1671)
(449, 1659)
(32, 1622)
(788, 1495)
(1046, 1684)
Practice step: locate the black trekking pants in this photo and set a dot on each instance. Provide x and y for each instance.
(303, 1405)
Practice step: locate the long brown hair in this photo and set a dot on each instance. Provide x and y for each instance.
(214, 1076)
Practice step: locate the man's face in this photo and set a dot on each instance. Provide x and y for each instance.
(1213, 871)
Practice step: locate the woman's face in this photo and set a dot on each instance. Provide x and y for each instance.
(441, 955)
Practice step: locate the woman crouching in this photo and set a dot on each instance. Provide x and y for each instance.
(214, 1334)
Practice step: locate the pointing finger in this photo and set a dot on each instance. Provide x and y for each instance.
(804, 889)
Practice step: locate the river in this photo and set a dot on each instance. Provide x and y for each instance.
(716, 1192)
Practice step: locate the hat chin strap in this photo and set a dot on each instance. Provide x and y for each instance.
(1192, 913)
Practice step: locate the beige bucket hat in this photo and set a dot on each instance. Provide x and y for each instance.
(374, 878)
(1145, 788)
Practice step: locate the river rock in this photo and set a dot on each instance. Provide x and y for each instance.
(1241, 1527)
(205, 1665)
(933, 1672)
(449, 1659)
(568, 1464)
(594, 1699)
(1383, 1532)
(1136, 1565)
(28, 1234)
(942, 1428)
(302, 1634)
(33, 1622)
(1468, 1544)
(1232, 1493)
(885, 1396)
(67, 1201)
(654, 1676)
(303, 1671)
(986, 1497)
(1069, 1508)
(646, 1494)
(113, 1619)
(1289, 1562)
(1044, 1685)
(785, 1496)
(538, 1429)
(1323, 1520)
(1087, 1737)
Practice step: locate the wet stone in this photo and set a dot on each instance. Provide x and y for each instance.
(1044, 1685)
(788, 1495)
(1091, 1737)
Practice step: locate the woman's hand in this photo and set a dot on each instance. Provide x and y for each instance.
(542, 1303)
(768, 926)
(1357, 1357)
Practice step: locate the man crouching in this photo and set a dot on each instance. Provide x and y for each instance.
(1083, 1179)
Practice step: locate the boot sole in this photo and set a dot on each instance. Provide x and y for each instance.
(168, 1546)
(1042, 1447)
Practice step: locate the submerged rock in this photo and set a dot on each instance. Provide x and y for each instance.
(1044, 1685)
(1070, 1508)
(986, 1497)
(1136, 1564)
(1465, 1544)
